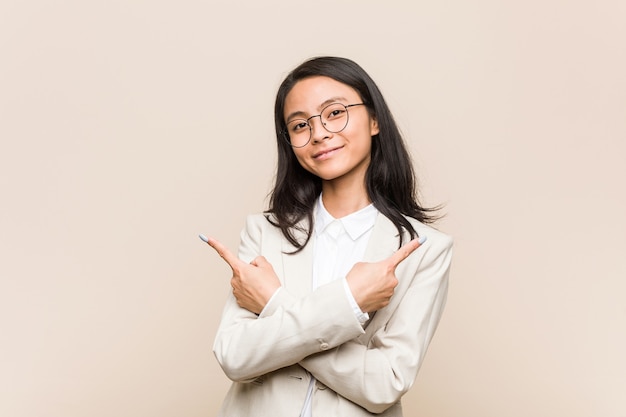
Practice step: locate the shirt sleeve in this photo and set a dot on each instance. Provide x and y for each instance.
(360, 315)
(267, 305)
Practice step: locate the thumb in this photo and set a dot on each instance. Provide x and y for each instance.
(259, 261)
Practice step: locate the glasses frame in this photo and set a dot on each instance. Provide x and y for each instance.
(347, 106)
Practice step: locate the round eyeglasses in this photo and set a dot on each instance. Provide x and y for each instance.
(334, 118)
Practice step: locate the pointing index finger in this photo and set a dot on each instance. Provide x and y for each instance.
(222, 251)
(404, 252)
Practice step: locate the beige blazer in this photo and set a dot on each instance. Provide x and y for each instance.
(360, 370)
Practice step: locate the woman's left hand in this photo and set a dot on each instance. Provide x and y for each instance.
(254, 283)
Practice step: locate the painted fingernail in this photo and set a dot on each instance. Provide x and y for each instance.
(204, 238)
(421, 240)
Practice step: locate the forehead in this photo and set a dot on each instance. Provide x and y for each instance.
(310, 94)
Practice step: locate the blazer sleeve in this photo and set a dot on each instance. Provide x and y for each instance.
(376, 374)
(290, 329)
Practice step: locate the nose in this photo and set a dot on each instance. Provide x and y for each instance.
(318, 131)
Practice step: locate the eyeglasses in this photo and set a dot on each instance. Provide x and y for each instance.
(334, 118)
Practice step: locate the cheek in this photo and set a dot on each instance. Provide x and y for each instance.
(300, 158)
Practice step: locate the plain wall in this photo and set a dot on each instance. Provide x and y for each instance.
(128, 127)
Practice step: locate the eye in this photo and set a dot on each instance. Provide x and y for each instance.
(296, 126)
(334, 111)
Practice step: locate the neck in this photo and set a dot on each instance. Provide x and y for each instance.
(342, 199)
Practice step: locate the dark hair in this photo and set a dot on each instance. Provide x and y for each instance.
(390, 179)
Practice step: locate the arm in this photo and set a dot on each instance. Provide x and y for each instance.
(376, 375)
(288, 330)
(247, 346)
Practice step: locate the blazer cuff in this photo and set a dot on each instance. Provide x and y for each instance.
(280, 298)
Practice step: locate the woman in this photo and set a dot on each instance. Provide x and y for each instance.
(336, 295)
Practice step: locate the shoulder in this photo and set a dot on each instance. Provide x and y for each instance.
(434, 236)
(438, 247)
(265, 224)
(433, 258)
(385, 239)
(258, 236)
(434, 255)
(258, 224)
(256, 220)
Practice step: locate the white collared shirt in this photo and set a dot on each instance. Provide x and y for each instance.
(338, 245)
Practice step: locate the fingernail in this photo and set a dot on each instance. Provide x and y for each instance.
(422, 239)
(204, 238)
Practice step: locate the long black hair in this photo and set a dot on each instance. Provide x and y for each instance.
(390, 179)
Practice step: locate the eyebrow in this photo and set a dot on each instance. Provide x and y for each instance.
(300, 113)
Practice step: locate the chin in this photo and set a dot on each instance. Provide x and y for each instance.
(329, 176)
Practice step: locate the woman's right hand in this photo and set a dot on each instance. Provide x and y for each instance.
(373, 283)
(254, 283)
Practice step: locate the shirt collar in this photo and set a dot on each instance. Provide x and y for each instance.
(355, 224)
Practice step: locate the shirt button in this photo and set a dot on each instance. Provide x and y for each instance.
(324, 346)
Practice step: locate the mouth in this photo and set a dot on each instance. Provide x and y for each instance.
(326, 153)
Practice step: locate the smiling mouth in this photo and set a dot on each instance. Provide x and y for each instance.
(326, 153)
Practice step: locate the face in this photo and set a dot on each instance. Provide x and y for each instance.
(331, 156)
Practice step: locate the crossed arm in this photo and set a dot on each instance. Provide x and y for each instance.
(291, 330)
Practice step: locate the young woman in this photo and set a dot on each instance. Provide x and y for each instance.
(336, 292)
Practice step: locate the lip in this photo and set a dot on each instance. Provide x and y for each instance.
(326, 153)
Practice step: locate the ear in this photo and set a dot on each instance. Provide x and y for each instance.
(374, 126)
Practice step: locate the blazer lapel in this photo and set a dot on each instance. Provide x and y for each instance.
(383, 241)
(298, 268)
(382, 244)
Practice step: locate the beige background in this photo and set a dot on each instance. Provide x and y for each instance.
(128, 127)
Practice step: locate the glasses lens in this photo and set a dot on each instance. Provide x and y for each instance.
(298, 132)
(335, 117)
